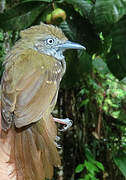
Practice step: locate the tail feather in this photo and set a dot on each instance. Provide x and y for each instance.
(29, 160)
(46, 164)
(34, 151)
(49, 144)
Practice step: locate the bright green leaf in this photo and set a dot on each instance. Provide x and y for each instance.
(100, 165)
(92, 177)
(91, 167)
(79, 168)
(87, 177)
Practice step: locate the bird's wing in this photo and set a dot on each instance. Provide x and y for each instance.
(33, 82)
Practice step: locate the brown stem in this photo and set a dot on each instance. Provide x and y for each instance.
(99, 122)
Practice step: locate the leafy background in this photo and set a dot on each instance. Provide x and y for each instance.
(93, 90)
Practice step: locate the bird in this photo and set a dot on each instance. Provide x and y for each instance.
(33, 70)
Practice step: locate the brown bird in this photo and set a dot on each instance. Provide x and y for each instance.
(29, 88)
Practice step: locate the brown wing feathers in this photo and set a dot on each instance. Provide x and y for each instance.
(28, 106)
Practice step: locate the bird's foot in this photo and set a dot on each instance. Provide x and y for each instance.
(67, 122)
(57, 138)
(56, 142)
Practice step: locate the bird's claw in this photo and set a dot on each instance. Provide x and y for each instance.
(68, 123)
(57, 138)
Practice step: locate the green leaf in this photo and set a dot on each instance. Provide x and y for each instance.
(21, 16)
(89, 155)
(67, 30)
(87, 177)
(91, 167)
(79, 168)
(114, 63)
(120, 161)
(118, 34)
(116, 58)
(108, 12)
(1, 36)
(86, 36)
(92, 177)
(84, 102)
(100, 165)
(83, 6)
(118, 40)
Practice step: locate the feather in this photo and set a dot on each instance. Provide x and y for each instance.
(38, 31)
(30, 85)
(34, 152)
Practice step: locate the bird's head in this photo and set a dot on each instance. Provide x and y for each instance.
(49, 40)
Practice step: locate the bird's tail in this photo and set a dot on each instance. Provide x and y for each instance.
(34, 152)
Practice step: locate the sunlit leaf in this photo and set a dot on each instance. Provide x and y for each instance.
(91, 167)
(100, 165)
(79, 168)
(87, 177)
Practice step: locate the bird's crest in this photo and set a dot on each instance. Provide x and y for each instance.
(39, 30)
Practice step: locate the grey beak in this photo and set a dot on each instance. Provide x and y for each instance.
(70, 45)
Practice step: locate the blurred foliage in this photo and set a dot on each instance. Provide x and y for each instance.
(92, 166)
(95, 80)
(120, 160)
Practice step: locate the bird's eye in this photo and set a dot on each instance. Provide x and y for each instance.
(50, 41)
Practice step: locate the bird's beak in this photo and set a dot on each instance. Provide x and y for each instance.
(70, 45)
